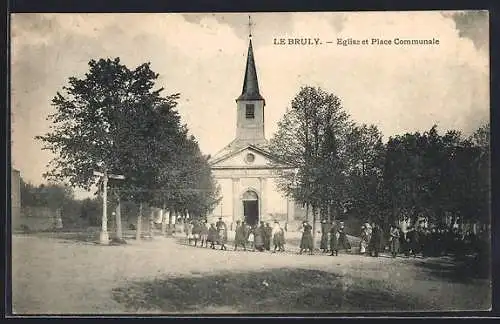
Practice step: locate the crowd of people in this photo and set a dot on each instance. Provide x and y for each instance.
(421, 239)
(261, 237)
(418, 239)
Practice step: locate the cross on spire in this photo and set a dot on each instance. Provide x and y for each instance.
(250, 24)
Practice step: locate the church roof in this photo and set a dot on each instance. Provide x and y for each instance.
(231, 150)
(236, 146)
(250, 83)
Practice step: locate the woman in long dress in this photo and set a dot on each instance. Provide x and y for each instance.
(189, 232)
(212, 236)
(343, 240)
(375, 241)
(259, 236)
(306, 242)
(281, 240)
(240, 236)
(204, 233)
(222, 236)
(394, 240)
(334, 240)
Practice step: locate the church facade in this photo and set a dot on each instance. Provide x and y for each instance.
(245, 169)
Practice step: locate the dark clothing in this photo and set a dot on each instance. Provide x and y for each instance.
(203, 229)
(324, 237)
(306, 242)
(334, 239)
(196, 228)
(259, 238)
(222, 236)
(413, 245)
(240, 236)
(279, 240)
(221, 232)
(212, 234)
(374, 246)
(394, 240)
(343, 240)
(268, 230)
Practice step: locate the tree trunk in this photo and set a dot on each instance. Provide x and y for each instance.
(139, 223)
(151, 223)
(307, 211)
(314, 211)
(170, 213)
(164, 220)
(118, 215)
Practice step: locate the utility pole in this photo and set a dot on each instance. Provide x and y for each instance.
(104, 236)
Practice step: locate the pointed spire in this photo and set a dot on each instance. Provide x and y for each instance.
(250, 83)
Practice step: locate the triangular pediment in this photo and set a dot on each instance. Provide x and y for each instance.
(248, 157)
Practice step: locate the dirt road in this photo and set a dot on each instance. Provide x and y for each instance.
(54, 276)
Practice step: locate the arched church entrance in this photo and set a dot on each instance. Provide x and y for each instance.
(251, 207)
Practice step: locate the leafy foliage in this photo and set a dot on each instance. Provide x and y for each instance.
(347, 168)
(114, 120)
(51, 195)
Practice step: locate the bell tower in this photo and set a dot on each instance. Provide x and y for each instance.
(250, 104)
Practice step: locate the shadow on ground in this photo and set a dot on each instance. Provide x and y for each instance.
(457, 270)
(89, 236)
(272, 291)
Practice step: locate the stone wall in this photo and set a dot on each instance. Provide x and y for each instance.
(35, 219)
(15, 196)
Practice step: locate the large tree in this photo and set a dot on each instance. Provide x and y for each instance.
(314, 128)
(434, 175)
(481, 140)
(364, 161)
(114, 120)
(98, 118)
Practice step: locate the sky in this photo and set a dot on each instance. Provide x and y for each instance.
(202, 56)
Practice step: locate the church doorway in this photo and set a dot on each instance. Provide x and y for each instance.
(251, 208)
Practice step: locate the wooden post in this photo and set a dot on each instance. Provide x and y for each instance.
(104, 237)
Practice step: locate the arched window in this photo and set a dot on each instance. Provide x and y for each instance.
(250, 195)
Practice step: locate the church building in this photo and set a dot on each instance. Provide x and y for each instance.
(245, 169)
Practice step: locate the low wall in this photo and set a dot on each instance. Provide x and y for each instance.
(34, 219)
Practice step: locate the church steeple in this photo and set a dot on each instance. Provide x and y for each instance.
(250, 82)
(250, 105)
